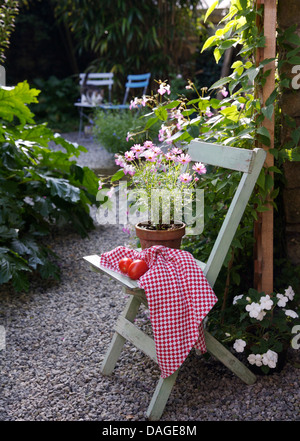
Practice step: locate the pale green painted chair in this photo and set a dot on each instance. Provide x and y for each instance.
(249, 163)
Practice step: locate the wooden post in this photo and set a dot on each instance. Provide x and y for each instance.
(264, 228)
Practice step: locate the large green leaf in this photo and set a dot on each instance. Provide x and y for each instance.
(13, 102)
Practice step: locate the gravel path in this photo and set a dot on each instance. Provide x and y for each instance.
(57, 335)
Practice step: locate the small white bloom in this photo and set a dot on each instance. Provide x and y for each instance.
(270, 359)
(291, 313)
(282, 300)
(255, 359)
(261, 315)
(254, 309)
(266, 302)
(289, 292)
(239, 345)
(236, 298)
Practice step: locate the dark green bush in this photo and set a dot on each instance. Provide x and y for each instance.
(112, 128)
(39, 188)
(56, 102)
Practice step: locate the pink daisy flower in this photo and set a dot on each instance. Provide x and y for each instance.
(184, 159)
(176, 151)
(137, 149)
(129, 156)
(150, 155)
(148, 144)
(185, 178)
(199, 168)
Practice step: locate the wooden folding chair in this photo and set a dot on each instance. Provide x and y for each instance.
(249, 163)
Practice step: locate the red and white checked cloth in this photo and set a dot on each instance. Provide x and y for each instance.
(179, 297)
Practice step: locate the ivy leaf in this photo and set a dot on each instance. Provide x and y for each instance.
(252, 73)
(226, 44)
(209, 42)
(193, 130)
(294, 60)
(218, 54)
(264, 135)
(220, 83)
(211, 9)
(271, 98)
(268, 111)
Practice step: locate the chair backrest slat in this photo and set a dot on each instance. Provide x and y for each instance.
(250, 163)
(134, 82)
(221, 155)
(98, 79)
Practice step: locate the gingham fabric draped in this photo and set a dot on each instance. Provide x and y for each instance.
(179, 297)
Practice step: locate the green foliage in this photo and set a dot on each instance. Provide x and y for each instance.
(39, 188)
(230, 112)
(262, 323)
(128, 37)
(56, 101)
(8, 12)
(111, 129)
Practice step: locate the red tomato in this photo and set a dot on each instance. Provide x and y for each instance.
(124, 264)
(137, 268)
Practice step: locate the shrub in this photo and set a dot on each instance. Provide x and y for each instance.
(39, 188)
(111, 129)
(56, 102)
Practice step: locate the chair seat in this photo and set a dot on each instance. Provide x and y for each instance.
(113, 106)
(94, 261)
(79, 104)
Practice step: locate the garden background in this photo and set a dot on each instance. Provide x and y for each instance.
(45, 44)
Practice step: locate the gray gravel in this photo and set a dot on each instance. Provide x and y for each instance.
(57, 335)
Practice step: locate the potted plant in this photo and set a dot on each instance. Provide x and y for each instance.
(160, 178)
(263, 331)
(155, 173)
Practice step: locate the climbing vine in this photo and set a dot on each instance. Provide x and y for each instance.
(230, 112)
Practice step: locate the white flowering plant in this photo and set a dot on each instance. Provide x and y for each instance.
(265, 327)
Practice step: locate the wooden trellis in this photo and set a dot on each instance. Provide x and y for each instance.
(264, 227)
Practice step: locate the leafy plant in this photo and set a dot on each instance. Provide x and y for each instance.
(230, 112)
(39, 188)
(153, 170)
(111, 129)
(263, 327)
(56, 101)
(132, 36)
(8, 11)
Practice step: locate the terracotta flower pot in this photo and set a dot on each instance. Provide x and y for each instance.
(170, 238)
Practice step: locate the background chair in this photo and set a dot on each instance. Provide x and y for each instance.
(92, 92)
(133, 82)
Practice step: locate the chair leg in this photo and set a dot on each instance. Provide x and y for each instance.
(80, 122)
(118, 341)
(228, 359)
(160, 397)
